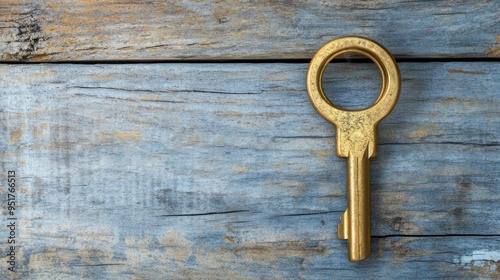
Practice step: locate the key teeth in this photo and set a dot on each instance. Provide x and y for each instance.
(343, 226)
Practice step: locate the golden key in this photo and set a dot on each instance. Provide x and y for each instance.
(356, 133)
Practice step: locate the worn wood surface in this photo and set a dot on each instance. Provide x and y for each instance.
(226, 171)
(49, 30)
(223, 170)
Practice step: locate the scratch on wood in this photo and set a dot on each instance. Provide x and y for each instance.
(235, 115)
(122, 136)
(454, 71)
(323, 153)
(417, 134)
(271, 252)
(421, 133)
(155, 97)
(239, 169)
(448, 101)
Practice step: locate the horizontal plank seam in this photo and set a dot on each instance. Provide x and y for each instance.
(492, 144)
(307, 214)
(303, 137)
(159, 91)
(98, 264)
(434, 235)
(204, 214)
(255, 61)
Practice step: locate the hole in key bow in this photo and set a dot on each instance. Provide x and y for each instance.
(352, 85)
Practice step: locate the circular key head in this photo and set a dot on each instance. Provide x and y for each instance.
(379, 55)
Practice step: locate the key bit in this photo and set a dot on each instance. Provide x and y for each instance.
(356, 133)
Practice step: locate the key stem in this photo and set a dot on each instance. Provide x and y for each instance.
(359, 204)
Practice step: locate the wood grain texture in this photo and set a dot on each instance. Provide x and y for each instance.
(225, 171)
(49, 30)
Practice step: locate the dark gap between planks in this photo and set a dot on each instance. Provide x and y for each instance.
(256, 61)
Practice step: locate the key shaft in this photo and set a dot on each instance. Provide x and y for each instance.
(355, 222)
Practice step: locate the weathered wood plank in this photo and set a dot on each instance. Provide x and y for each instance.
(213, 254)
(225, 170)
(50, 30)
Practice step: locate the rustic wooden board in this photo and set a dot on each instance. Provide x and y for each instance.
(50, 30)
(225, 171)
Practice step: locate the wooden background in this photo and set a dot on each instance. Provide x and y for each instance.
(175, 139)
